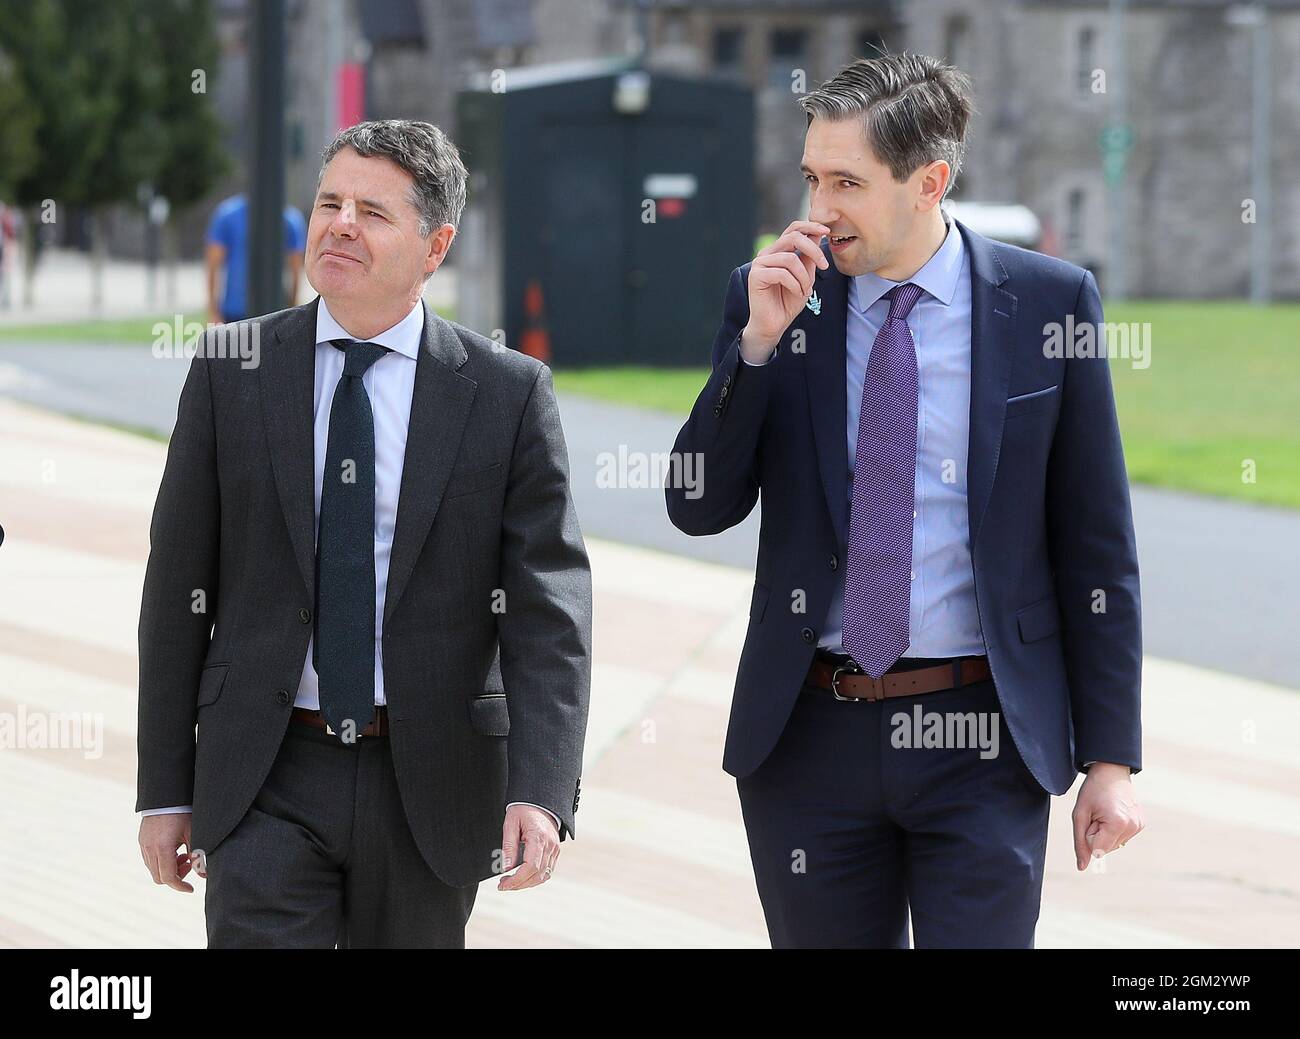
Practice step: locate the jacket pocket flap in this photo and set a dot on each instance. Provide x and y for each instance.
(1038, 620)
(1025, 403)
(211, 681)
(489, 715)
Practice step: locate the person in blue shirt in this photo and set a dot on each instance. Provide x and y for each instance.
(227, 252)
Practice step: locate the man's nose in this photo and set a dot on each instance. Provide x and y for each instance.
(819, 209)
(344, 224)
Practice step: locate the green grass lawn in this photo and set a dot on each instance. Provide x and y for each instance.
(1223, 386)
(116, 331)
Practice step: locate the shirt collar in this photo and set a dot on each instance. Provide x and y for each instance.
(938, 277)
(404, 337)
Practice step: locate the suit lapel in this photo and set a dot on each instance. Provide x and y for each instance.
(992, 340)
(824, 369)
(440, 406)
(286, 379)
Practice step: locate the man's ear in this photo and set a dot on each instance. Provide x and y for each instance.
(439, 245)
(934, 182)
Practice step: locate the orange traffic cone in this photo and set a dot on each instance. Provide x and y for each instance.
(535, 341)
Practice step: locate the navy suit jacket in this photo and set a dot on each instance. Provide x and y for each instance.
(1050, 520)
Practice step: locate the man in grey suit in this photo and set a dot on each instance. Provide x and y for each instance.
(368, 589)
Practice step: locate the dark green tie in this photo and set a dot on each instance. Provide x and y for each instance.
(344, 648)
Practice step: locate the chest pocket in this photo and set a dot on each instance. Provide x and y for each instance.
(1034, 401)
(462, 483)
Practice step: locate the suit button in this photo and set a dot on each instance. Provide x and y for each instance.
(717, 410)
(835, 562)
(808, 634)
(304, 615)
(726, 381)
(282, 695)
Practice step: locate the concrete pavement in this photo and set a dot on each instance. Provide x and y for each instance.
(661, 858)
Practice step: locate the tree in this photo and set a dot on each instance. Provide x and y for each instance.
(113, 106)
(18, 122)
(191, 160)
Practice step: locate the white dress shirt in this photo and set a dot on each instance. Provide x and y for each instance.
(390, 384)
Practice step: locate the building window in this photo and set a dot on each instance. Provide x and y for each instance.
(788, 50)
(1074, 214)
(871, 43)
(728, 45)
(956, 37)
(1085, 58)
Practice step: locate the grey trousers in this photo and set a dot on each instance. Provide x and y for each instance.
(324, 858)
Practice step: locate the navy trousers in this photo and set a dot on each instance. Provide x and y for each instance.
(849, 832)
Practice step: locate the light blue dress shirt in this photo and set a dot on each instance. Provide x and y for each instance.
(944, 618)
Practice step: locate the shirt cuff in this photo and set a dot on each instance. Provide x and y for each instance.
(773, 354)
(546, 810)
(168, 811)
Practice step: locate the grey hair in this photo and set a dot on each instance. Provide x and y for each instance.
(423, 151)
(914, 109)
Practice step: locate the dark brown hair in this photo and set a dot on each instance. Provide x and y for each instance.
(914, 109)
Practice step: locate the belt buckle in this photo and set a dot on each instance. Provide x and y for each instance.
(835, 683)
(355, 736)
(877, 685)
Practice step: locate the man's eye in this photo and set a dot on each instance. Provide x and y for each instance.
(328, 205)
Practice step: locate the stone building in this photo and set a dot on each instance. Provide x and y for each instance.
(1046, 80)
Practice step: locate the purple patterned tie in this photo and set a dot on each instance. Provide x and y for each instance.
(878, 581)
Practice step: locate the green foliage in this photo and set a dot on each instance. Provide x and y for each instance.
(191, 160)
(18, 126)
(108, 89)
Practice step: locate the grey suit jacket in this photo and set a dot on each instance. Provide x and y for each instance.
(487, 621)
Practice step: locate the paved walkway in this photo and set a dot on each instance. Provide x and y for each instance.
(661, 858)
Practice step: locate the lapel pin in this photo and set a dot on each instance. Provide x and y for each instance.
(814, 304)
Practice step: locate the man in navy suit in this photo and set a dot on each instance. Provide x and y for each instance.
(945, 624)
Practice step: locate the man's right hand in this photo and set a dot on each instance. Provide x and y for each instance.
(780, 282)
(160, 837)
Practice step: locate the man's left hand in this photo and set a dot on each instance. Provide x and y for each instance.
(541, 847)
(1107, 815)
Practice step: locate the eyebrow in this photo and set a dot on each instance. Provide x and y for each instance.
(841, 174)
(369, 203)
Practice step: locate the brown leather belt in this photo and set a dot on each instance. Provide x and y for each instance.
(847, 682)
(377, 727)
